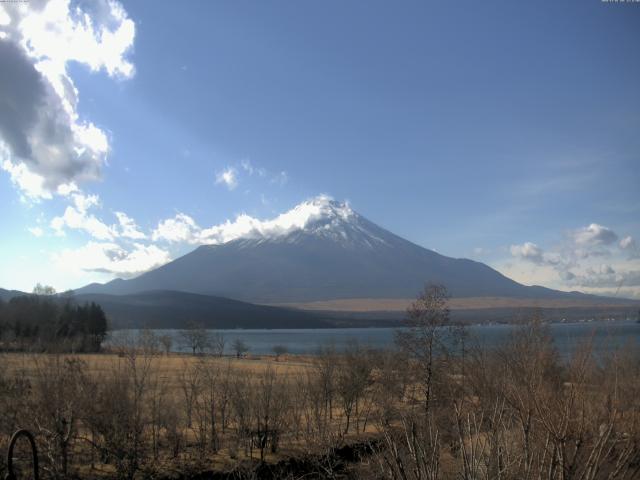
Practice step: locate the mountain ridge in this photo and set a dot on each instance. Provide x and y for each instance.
(322, 250)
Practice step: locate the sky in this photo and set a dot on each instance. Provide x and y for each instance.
(506, 132)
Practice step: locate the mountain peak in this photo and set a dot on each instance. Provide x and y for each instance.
(320, 211)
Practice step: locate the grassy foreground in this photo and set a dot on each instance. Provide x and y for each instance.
(423, 412)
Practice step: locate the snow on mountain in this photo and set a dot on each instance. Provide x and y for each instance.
(319, 250)
(320, 215)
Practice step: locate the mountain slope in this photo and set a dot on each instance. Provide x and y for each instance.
(6, 295)
(167, 309)
(329, 252)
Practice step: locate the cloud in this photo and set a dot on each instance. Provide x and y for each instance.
(606, 277)
(183, 228)
(44, 144)
(232, 175)
(31, 184)
(111, 258)
(528, 251)
(36, 231)
(77, 217)
(128, 227)
(248, 167)
(594, 236)
(628, 244)
(179, 229)
(578, 261)
(228, 177)
(480, 252)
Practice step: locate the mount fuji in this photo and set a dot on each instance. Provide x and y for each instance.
(321, 250)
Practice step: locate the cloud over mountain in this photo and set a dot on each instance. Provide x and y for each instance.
(183, 228)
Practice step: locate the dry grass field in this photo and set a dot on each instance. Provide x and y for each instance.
(169, 366)
(191, 412)
(470, 303)
(516, 412)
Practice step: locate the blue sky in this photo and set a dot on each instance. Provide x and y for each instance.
(507, 132)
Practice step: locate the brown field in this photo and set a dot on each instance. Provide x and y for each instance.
(137, 413)
(470, 303)
(169, 366)
(170, 380)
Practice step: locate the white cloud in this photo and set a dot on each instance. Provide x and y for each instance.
(46, 144)
(627, 243)
(578, 262)
(248, 167)
(5, 19)
(232, 175)
(30, 184)
(179, 229)
(77, 217)
(228, 177)
(36, 231)
(528, 251)
(605, 276)
(128, 227)
(183, 228)
(594, 236)
(98, 34)
(111, 258)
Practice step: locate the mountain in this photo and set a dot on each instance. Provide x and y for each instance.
(167, 309)
(322, 250)
(6, 295)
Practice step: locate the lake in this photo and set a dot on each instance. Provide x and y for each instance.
(607, 335)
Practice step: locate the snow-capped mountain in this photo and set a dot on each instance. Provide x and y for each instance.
(319, 250)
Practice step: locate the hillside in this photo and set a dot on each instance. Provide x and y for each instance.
(170, 309)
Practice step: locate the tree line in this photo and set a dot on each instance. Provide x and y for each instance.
(44, 321)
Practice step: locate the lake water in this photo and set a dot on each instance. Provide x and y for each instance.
(606, 335)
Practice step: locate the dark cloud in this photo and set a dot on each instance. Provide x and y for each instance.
(36, 128)
(22, 95)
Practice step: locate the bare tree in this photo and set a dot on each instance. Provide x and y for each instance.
(279, 350)
(240, 347)
(425, 319)
(353, 377)
(166, 341)
(217, 344)
(325, 365)
(56, 408)
(195, 338)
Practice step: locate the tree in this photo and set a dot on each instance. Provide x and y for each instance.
(425, 319)
(40, 289)
(97, 325)
(217, 344)
(166, 341)
(279, 350)
(239, 347)
(195, 338)
(352, 378)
